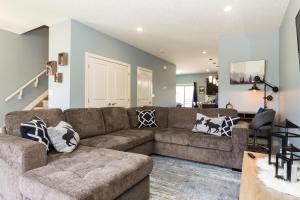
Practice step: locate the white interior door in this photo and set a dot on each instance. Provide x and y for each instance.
(144, 87)
(107, 82)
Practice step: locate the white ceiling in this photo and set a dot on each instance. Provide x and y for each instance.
(175, 30)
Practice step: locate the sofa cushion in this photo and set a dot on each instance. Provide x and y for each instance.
(216, 112)
(87, 122)
(146, 118)
(13, 119)
(173, 136)
(109, 141)
(115, 119)
(210, 142)
(63, 137)
(89, 173)
(182, 117)
(36, 130)
(208, 125)
(137, 136)
(161, 115)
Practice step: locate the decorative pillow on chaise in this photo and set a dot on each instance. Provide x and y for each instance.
(36, 130)
(208, 125)
(63, 137)
(228, 124)
(146, 118)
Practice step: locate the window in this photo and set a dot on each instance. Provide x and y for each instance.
(184, 95)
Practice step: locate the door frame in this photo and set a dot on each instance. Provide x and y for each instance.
(86, 82)
(137, 92)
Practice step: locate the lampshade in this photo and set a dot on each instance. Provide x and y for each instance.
(210, 79)
(254, 88)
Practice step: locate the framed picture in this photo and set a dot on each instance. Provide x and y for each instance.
(244, 72)
(201, 89)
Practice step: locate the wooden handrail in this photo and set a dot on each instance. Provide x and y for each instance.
(19, 91)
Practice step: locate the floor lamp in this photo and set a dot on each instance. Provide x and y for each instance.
(257, 79)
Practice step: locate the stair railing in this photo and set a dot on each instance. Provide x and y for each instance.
(19, 91)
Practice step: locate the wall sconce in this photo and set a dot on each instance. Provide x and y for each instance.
(51, 68)
(254, 88)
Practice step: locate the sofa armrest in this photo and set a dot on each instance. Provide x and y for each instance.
(22, 154)
(239, 136)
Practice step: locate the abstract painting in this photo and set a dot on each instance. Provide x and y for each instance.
(244, 72)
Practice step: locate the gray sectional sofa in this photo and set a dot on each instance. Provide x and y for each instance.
(109, 162)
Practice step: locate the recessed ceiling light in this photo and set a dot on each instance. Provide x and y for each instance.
(227, 8)
(204, 52)
(140, 29)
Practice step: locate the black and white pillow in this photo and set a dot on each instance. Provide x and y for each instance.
(208, 125)
(228, 124)
(63, 137)
(146, 118)
(36, 130)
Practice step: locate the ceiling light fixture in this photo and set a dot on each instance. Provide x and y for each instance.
(227, 8)
(204, 52)
(140, 29)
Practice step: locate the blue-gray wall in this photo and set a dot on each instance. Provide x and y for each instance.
(261, 46)
(200, 79)
(289, 66)
(22, 57)
(85, 39)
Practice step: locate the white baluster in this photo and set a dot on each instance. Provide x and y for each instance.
(20, 94)
(36, 83)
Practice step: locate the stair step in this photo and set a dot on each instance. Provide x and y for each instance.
(45, 103)
(38, 108)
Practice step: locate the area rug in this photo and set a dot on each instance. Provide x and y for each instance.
(175, 179)
(266, 174)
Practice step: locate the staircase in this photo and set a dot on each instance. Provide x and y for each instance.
(40, 102)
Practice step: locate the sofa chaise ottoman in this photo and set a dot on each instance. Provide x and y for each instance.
(90, 174)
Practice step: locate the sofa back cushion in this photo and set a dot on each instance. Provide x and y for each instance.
(87, 122)
(186, 117)
(161, 115)
(13, 119)
(182, 117)
(216, 112)
(115, 119)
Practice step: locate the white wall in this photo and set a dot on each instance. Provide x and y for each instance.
(261, 46)
(60, 41)
(289, 67)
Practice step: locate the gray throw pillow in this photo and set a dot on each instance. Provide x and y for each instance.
(63, 137)
(208, 125)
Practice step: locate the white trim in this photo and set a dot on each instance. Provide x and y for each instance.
(36, 101)
(137, 92)
(185, 84)
(144, 69)
(91, 55)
